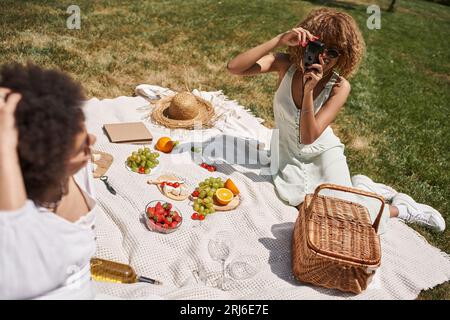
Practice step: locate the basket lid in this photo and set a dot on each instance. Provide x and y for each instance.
(342, 230)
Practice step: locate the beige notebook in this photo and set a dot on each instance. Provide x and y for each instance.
(128, 132)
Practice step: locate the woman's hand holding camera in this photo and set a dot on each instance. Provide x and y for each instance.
(313, 74)
(295, 37)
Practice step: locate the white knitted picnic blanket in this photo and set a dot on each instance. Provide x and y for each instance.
(262, 225)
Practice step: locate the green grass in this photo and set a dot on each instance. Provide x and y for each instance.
(395, 124)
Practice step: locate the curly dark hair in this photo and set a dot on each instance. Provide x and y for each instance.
(337, 29)
(48, 118)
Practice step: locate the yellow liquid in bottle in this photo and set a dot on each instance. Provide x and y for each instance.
(110, 271)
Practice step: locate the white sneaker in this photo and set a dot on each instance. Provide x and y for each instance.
(419, 213)
(365, 183)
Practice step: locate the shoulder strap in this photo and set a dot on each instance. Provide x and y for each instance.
(291, 69)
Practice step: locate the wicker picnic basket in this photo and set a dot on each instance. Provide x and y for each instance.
(334, 244)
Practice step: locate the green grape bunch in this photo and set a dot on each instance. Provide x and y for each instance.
(143, 160)
(204, 203)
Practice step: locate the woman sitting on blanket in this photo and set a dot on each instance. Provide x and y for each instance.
(46, 200)
(307, 102)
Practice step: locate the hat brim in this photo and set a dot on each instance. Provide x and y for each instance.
(204, 119)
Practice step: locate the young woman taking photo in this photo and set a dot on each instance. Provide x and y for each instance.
(307, 102)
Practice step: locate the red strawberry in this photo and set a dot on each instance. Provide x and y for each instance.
(159, 210)
(168, 206)
(151, 211)
(177, 217)
(174, 224)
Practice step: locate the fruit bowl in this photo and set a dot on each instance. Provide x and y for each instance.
(164, 219)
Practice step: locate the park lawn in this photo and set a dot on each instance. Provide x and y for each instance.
(395, 124)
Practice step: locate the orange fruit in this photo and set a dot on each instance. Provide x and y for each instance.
(165, 144)
(224, 196)
(229, 184)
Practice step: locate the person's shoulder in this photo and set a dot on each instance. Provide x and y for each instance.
(283, 58)
(341, 84)
(85, 179)
(282, 63)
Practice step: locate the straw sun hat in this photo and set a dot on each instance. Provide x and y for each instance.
(183, 110)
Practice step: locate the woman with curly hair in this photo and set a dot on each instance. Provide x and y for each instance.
(46, 192)
(306, 104)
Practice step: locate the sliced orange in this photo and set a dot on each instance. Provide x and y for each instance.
(224, 196)
(229, 184)
(165, 144)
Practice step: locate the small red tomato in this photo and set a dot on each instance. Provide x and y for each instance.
(210, 169)
(141, 170)
(203, 165)
(163, 184)
(194, 216)
(201, 217)
(176, 185)
(195, 194)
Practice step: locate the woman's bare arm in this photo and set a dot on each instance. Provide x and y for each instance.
(12, 188)
(312, 126)
(256, 60)
(260, 60)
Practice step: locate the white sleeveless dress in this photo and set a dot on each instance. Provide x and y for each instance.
(304, 167)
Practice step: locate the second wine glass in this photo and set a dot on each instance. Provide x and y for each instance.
(219, 248)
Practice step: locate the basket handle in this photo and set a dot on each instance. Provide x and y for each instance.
(330, 186)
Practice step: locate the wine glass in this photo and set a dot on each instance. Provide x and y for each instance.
(200, 275)
(219, 249)
(244, 267)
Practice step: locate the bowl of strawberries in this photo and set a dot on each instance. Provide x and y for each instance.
(162, 216)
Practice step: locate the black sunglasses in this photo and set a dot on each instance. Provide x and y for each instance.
(332, 52)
